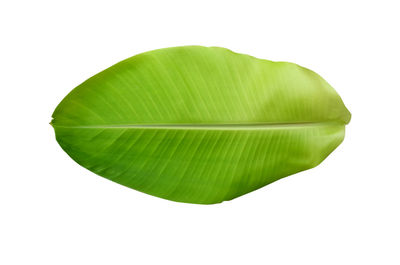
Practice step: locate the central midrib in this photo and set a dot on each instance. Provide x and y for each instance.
(226, 126)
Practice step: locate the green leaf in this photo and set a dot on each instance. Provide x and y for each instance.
(200, 124)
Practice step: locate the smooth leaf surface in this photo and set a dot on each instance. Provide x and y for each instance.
(200, 124)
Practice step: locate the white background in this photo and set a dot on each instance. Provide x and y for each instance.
(345, 211)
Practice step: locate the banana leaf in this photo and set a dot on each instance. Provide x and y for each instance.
(200, 124)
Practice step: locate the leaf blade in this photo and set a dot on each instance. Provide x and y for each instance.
(193, 123)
